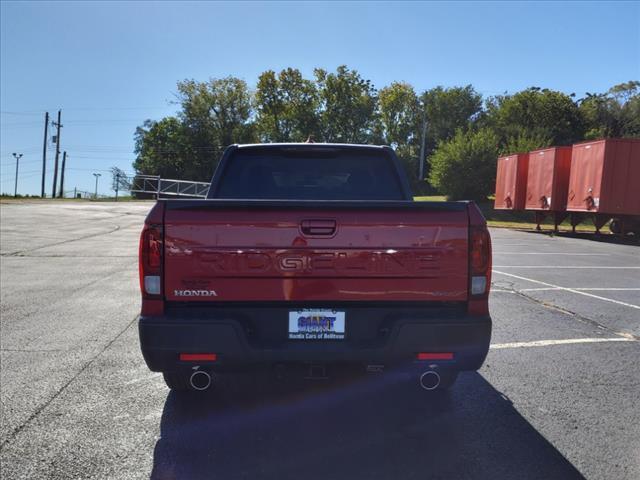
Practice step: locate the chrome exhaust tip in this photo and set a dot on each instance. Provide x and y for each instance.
(200, 380)
(430, 380)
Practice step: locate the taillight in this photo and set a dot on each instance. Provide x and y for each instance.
(479, 260)
(151, 261)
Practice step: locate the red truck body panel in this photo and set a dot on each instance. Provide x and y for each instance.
(511, 182)
(548, 179)
(312, 255)
(605, 177)
(371, 255)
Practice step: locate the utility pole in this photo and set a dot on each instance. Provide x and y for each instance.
(17, 156)
(58, 125)
(117, 184)
(424, 140)
(44, 152)
(97, 175)
(64, 161)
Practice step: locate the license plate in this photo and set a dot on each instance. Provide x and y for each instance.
(316, 325)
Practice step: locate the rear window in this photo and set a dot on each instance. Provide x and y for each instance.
(310, 174)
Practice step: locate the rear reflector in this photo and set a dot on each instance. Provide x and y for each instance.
(152, 284)
(478, 285)
(198, 357)
(435, 356)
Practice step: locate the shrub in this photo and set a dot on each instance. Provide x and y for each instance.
(464, 167)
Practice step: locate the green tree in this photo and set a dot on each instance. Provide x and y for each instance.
(213, 115)
(218, 111)
(631, 118)
(348, 105)
(399, 110)
(615, 113)
(286, 107)
(524, 142)
(448, 110)
(163, 148)
(540, 113)
(398, 114)
(465, 166)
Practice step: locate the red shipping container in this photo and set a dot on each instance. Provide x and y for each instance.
(548, 179)
(511, 182)
(605, 177)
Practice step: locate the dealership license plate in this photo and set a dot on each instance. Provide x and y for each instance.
(316, 325)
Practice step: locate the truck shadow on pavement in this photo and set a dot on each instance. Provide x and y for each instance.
(372, 428)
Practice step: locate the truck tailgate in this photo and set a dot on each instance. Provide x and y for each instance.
(218, 252)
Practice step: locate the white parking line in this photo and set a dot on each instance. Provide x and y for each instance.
(542, 289)
(553, 253)
(610, 289)
(546, 343)
(525, 244)
(561, 266)
(573, 290)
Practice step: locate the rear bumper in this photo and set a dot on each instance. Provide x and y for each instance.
(399, 334)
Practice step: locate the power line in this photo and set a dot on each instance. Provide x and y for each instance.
(100, 146)
(128, 146)
(92, 170)
(9, 164)
(114, 159)
(26, 113)
(73, 109)
(13, 124)
(84, 157)
(22, 176)
(26, 149)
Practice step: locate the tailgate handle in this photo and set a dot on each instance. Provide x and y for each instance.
(318, 227)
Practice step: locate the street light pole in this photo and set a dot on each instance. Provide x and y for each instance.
(97, 175)
(17, 156)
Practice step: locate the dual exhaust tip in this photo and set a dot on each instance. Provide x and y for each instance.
(201, 380)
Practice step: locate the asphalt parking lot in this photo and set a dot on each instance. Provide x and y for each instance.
(557, 397)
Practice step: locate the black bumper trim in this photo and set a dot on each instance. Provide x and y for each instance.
(164, 338)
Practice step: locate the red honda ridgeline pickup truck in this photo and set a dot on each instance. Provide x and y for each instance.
(315, 257)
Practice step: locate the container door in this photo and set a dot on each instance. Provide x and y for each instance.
(586, 177)
(621, 178)
(506, 182)
(540, 180)
(561, 170)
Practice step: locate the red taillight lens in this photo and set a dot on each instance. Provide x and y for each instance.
(154, 248)
(150, 260)
(479, 261)
(480, 251)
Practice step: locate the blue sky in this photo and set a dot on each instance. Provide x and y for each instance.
(110, 66)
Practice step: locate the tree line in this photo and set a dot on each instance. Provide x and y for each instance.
(465, 132)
